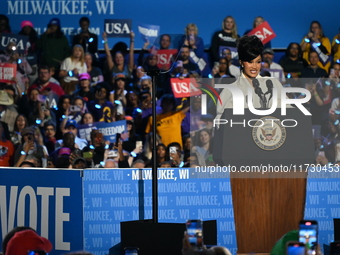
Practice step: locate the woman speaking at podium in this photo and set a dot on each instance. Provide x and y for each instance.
(249, 51)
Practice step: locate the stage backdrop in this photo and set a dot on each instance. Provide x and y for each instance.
(289, 19)
(50, 201)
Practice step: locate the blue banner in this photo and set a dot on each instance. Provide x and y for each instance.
(19, 40)
(149, 32)
(48, 201)
(115, 195)
(110, 129)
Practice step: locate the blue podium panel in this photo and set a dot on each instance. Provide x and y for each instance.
(49, 201)
(116, 195)
(323, 200)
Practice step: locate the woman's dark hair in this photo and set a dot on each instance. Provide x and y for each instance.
(84, 19)
(169, 98)
(198, 134)
(32, 36)
(105, 86)
(227, 71)
(58, 34)
(60, 103)
(299, 49)
(249, 47)
(6, 19)
(82, 117)
(319, 24)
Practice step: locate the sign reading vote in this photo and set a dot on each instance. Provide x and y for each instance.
(264, 32)
(7, 72)
(185, 87)
(19, 40)
(118, 27)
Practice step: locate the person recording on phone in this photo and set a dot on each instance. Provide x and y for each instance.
(184, 64)
(249, 50)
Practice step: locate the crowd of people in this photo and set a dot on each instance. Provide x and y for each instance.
(60, 85)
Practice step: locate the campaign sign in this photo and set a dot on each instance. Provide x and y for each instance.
(185, 87)
(49, 201)
(19, 40)
(165, 58)
(84, 131)
(110, 129)
(117, 27)
(7, 72)
(148, 32)
(264, 32)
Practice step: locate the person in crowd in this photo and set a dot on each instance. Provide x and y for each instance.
(53, 46)
(19, 124)
(226, 37)
(233, 69)
(139, 73)
(203, 148)
(95, 72)
(168, 124)
(12, 56)
(38, 137)
(193, 41)
(132, 104)
(64, 104)
(27, 29)
(313, 70)
(184, 65)
(10, 234)
(174, 153)
(101, 108)
(6, 146)
(116, 63)
(71, 68)
(221, 73)
(49, 137)
(315, 40)
(88, 40)
(4, 24)
(71, 126)
(293, 62)
(161, 155)
(258, 21)
(119, 92)
(192, 120)
(87, 118)
(335, 47)
(50, 90)
(276, 70)
(85, 90)
(68, 141)
(8, 110)
(28, 146)
(129, 138)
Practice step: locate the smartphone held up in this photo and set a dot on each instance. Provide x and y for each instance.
(195, 233)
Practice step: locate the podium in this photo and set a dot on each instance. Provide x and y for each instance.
(266, 204)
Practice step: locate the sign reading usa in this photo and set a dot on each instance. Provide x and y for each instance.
(118, 27)
(264, 32)
(185, 87)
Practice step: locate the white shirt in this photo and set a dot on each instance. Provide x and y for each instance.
(68, 65)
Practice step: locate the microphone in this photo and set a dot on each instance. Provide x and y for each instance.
(258, 91)
(270, 87)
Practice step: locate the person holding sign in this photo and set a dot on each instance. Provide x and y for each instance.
(226, 37)
(315, 40)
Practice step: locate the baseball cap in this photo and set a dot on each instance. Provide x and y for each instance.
(64, 151)
(84, 76)
(120, 76)
(27, 240)
(71, 123)
(268, 50)
(54, 21)
(27, 131)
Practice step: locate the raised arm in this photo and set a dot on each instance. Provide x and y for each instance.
(109, 60)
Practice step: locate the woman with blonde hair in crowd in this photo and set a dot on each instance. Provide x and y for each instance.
(193, 41)
(71, 68)
(228, 37)
(315, 40)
